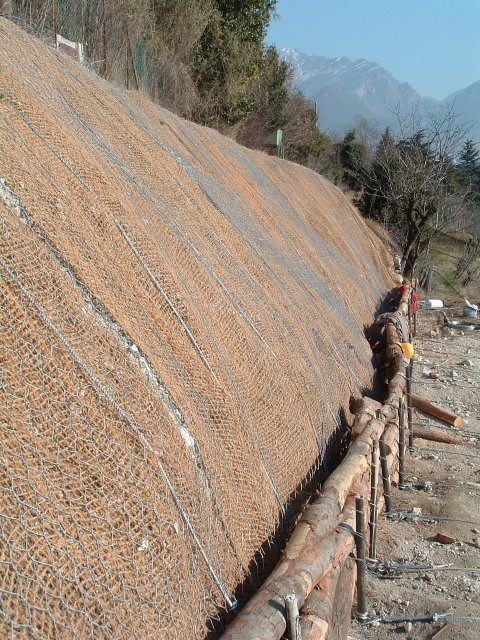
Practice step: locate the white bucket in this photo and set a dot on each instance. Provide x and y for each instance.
(433, 304)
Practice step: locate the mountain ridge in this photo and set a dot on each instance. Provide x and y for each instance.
(345, 89)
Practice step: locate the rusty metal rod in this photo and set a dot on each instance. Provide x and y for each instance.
(410, 332)
(401, 444)
(373, 503)
(414, 293)
(362, 612)
(385, 474)
(409, 373)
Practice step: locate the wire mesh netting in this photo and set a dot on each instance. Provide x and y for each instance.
(126, 41)
(181, 324)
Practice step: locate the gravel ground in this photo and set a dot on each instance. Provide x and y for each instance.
(444, 481)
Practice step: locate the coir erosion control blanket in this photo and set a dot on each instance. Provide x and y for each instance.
(181, 325)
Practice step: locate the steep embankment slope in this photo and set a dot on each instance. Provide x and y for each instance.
(181, 322)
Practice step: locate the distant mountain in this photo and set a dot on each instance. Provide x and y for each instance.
(344, 89)
(466, 104)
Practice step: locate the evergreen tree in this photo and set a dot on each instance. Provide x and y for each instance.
(249, 19)
(470, 158)
(229, 60)
(469, 171)
(374, 202)
(353, 161)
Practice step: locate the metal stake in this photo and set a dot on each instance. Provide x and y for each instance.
(291, 606)
(410, 317)
(373, 504)
(401, 444)
(415, 315)
(409, 373)
(362, 612)
(385, 474)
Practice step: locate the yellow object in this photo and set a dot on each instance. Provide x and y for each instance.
(407, 348)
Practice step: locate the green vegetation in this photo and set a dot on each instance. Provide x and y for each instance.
(227, 77)
(453, 267)
(353, 155)
(468, 174)
(66, 264)
(417, 184)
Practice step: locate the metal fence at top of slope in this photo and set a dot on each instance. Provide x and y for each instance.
(102, 34)
(177, 340)
(76, 20)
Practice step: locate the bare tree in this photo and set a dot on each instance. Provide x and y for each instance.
(410, 187)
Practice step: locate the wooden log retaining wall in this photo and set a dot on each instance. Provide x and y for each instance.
(316, 566)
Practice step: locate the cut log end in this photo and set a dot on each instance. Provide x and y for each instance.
(437, 412)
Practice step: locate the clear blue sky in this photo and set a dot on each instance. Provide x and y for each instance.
(434, 45)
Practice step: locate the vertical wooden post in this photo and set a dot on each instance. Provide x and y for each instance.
(362, 612)
(293, 618)
(385, 474)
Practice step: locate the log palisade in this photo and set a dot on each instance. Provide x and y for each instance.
(313, 565)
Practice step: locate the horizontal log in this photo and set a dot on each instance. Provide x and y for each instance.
(263, 618)
(392, 340)
(391, 444)
(366, 410)
(316, 541)
(436, 436)
(342, 605)
(356, 462)
(395, 361)
(309, 555)
(396, 390)
(437, 412)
